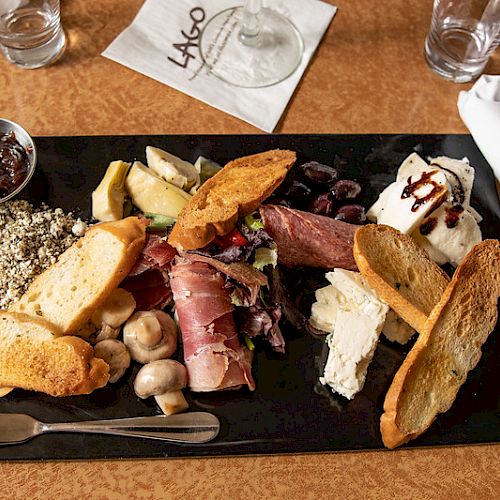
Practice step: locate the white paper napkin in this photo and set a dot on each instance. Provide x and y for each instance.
(479, 109)
(156, 38)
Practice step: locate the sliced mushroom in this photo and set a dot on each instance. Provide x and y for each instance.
(117, 308)
(164, 380)
(150, 335)
(116, 354)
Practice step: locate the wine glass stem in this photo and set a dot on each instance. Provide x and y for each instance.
(250, 29)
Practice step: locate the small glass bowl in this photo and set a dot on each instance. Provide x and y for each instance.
(27, 143)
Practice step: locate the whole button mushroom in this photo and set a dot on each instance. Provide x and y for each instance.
(164, 379)
(105, 333)
(117, 308)
(150, 335)
(116, 355)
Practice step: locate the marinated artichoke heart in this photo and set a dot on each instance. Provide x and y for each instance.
(152, 194)
(172, 169)
(206, 169)
(108, 198)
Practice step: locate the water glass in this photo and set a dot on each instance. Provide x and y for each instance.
(31, 34)
(462, 36)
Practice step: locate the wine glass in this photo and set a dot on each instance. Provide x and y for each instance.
(251, 46)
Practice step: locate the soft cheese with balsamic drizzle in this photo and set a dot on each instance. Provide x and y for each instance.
(432, 203)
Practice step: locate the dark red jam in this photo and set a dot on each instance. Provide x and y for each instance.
(14, 164)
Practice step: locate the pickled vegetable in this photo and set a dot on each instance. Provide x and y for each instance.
(172, 169)
(108, 199)
(152, 194)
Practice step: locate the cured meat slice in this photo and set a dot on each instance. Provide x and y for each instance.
(150, 288)
(214, 357)
(241, 272)
(158, 250)
(309, 240)
(156, 253)
(148, 280)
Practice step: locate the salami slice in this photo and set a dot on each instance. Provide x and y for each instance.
(309, 240)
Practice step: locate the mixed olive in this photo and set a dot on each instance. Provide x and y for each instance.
(317, 188)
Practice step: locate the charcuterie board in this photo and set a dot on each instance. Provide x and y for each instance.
(290, 411)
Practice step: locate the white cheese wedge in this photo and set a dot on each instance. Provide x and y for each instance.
(406, 213)
(357, 325)
(172, 169)
(452, 182)
(412, 165)
(375, 211)
(460, 175)
(450, 244)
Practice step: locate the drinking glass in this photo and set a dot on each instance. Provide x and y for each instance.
(462, 36)
(31, 34)
(251, 46)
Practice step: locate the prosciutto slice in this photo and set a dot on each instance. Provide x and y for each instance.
(309, 240)
(148, 280)
(241, 272)
(213, 355)
(157, 253)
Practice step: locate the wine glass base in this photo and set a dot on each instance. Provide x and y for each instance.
(270, 58)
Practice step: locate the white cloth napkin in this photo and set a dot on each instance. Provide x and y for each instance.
(479, 109)
(148, 43)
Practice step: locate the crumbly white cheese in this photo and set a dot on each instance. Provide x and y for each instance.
(30, 241)
(358, 321)
(396, 329)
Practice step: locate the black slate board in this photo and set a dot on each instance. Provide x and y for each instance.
(289, 411)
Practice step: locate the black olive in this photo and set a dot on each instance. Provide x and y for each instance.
(297, 191)
(346, 189)
(321, 204)
(354, 214)
(317, 173)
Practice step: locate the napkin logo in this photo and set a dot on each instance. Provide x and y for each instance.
(197, 15)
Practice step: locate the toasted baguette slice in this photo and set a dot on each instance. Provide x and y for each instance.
(233, 192)
(67, 293)
(33, 358)
(447, 349)
(400, 271)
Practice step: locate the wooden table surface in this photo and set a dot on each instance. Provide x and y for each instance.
(368, 76)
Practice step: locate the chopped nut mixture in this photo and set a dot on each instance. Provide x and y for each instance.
(31, 239)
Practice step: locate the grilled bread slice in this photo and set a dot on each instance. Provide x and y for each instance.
(67, 293)
(400, 271)
(235, 191)
(32, 357)
(447, 349)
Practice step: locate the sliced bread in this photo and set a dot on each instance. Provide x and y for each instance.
(68, 292)
(447, 349)
(402, 274)
(33, 358)
(235, 191)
